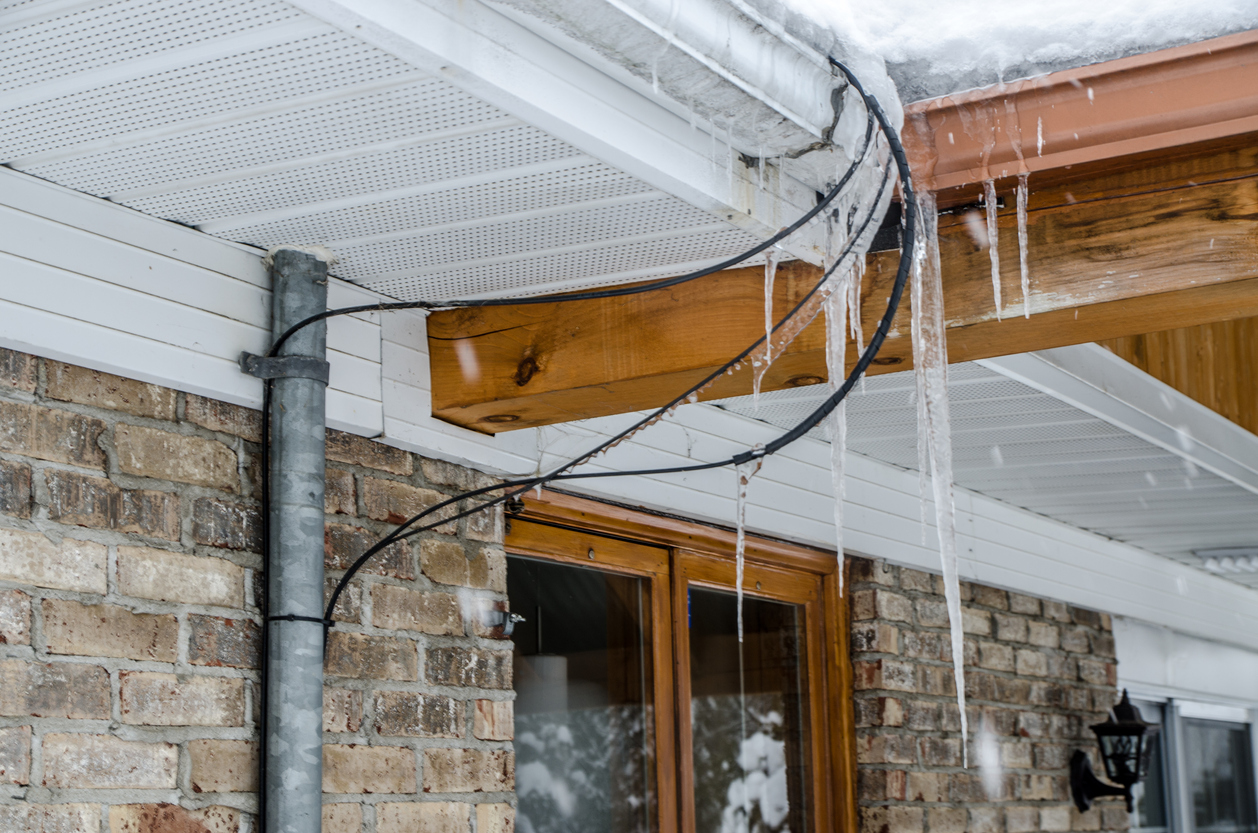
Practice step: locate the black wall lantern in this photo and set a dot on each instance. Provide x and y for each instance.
(1126, 742)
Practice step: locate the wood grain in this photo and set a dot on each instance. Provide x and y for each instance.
(1211, 363)
(1122, 254)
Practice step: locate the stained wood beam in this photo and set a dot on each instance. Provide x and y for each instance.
(1168, 245)
(1212, 363)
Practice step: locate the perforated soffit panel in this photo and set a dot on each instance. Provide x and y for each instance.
(1016, 444)
(257, 123)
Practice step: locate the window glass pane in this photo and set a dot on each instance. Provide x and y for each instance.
(583, 713)
(749, 720)
(1220, 776)
(1150, 794)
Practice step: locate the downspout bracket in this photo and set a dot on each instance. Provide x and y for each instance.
(285, 367)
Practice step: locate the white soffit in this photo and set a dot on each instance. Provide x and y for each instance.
(258, 122)
(1074, 458)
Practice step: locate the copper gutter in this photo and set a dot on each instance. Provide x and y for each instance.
(1146, 103)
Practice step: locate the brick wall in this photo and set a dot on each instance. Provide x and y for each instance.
(1038, 673)
(129, 626)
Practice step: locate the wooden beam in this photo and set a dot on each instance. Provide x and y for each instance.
(1211, 363)
(1119, 255)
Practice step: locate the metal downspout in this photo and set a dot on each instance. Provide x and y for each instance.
(295, 635)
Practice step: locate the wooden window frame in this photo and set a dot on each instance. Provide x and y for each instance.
(671, 554)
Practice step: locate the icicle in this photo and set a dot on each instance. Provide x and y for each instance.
(761, 366)
(743, 473)
(855, 278)
(1022, 245)
(836, 367)
(930, 360)
(993, 251)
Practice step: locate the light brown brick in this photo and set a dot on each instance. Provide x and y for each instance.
(342, 818)
(343, 544)
(174, 577)
(1011, 628)
(931, 612)
(916, 580)
(83, 500)
(15, 755)
(62, 689)
(486, 525)
(349, 605)
(109, 631)
(875, 637)
(1031, 663)
(457, 477)
(338, 493)
(223, 766)
(426, 816)
(495, 818)
(148, 452)
(397, 608)
(171, 818)
(494, 720)
(975, 621)
(352, 769)
(156, 699)
(468, 770)
(1084, 821)
(31, 558)
(18, 370)
(15, 618)
(884, 674)
(930, 787)
(989, 596)
(105, 762)
(15, 489)
(1055, 819)
(995, 656)
(51, 434)
(946, 820)
(394, 502)
(50, 818)
(408, 714)
(985, 820)
(215, 641)
(1022, 819)
(105, 390)
(892, 819)
(359, 451)
(232, 526)
(458, 666)
(447, 562)
(371, 657)
(342, 709)
(224, 417)
(1043, 634)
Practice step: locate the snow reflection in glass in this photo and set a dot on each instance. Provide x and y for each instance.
(582, 739)
(750, 752)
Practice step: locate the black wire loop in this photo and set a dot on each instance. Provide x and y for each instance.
(513, 489)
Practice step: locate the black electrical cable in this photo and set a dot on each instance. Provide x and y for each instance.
(875, 112)
(867, 356)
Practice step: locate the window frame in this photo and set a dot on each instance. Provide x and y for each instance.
(1176, 781)
(672, 553)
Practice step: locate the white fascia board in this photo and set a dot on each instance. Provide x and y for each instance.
(1095, 380)
(1155, 661)
(495, 58)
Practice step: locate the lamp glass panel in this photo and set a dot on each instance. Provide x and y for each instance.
(1219, 768)
(749, 719)
(1150, 815)
(583, 709)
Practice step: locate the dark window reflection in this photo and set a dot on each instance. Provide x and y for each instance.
(750, 753)
(1150, 795)
(1220, 776)
(583, 700)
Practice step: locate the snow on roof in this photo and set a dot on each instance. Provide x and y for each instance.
(935, 47)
